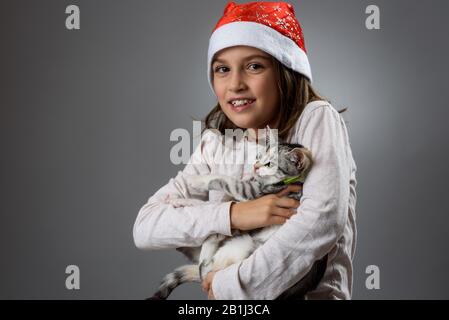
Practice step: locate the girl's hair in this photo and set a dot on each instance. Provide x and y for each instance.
(295, 93)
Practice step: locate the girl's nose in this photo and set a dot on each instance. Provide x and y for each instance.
(237, 82)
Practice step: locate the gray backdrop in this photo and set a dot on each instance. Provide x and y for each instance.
(86, 116)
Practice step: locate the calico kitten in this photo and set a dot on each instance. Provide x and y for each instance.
(278, 167)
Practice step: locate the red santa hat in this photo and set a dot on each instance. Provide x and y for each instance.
(269, 26)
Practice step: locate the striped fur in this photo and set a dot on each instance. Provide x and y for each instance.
(219, 251)
(186, 273)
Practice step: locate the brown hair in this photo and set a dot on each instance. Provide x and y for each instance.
(295, 93)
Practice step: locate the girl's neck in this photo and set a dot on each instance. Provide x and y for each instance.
(253, 134)
(257, 136)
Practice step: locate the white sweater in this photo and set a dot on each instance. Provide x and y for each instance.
(325, 222)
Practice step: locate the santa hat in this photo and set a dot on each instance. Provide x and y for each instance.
(269, 26)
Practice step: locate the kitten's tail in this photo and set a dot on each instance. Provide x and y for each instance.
(183, 274)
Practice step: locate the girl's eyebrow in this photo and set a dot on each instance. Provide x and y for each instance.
(246, 59)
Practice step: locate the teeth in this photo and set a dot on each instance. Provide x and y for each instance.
(240, 102)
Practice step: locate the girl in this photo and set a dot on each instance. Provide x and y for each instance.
(259, 71)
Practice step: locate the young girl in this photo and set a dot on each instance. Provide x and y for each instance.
(259, 71)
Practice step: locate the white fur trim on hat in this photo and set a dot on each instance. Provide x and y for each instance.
(257, 35)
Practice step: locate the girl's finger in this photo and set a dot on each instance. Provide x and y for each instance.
(285, 202)
(292, 188)
(295, 187)
(284, 212)
(277, 220)
(205, 286)
(283, 193)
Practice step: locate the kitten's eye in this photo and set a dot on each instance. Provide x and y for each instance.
(269, 164)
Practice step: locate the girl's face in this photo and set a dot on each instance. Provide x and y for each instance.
(247, 74)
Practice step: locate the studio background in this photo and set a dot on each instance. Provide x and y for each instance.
(86, 116)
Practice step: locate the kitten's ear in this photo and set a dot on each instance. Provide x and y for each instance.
(294, 155)
(270, 137)
(302, 157)
(267, 137)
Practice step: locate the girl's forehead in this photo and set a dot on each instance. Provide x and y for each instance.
(239, 53)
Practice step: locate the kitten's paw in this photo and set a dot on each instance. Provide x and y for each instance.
(180, 202)
(204, 268)
(174, 201)
(200, 183)
(177, 203)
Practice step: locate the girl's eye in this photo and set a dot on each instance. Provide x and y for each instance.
(252, 66)
(217, 69)
(256, 66)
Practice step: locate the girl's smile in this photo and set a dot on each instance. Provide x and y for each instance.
(238, 105)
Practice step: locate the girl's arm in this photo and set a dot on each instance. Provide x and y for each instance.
(160, 225)
(311, 233)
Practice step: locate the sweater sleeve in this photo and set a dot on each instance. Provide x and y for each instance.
(161, 226)
(311, 233)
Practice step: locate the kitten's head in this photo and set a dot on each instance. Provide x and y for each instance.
(287, 160)
(291, 160)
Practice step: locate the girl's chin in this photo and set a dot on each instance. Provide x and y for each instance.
(246, 120)
(244, 123)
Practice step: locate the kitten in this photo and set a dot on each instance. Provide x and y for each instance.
(277, 168)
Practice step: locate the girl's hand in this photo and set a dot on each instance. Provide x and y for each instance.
(265, 211)
(207, 285)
